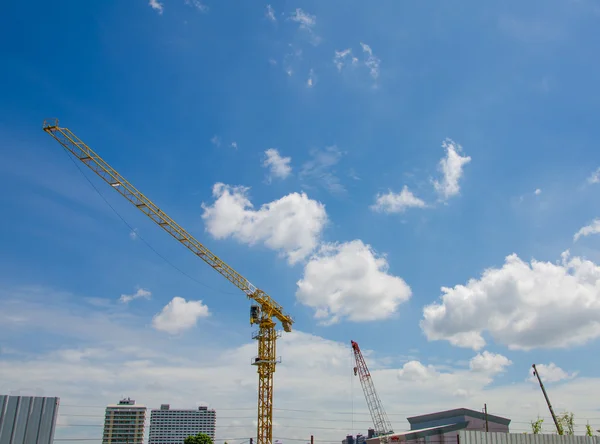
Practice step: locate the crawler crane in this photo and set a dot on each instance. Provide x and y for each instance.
(261, 313)
(381, 423)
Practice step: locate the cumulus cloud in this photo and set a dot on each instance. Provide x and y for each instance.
(521, 305)
(291, 225)
(397, 202)
(489, 363)
(451, 166)
(551, 373)
(216, 140)
(278, 166)
(179, 315)
(156, 5)
(537, 191)
(140, 293)
(350, 281)
(593, 228)
(106, 358)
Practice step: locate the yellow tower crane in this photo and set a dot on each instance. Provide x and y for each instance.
(262, 313)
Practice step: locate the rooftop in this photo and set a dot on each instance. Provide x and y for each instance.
(457, 412)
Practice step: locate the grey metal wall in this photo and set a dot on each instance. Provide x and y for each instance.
(27, 419)
(480, 437)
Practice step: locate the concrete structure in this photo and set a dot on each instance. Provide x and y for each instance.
(443, 427)
(172, 426)
(27, 419)
(124, 423)
(478, 437)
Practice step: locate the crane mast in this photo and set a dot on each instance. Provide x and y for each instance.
(381, 423)
(559, 428)
(262, 313)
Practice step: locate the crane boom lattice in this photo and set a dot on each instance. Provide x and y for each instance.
(381, 423)
(262, 313)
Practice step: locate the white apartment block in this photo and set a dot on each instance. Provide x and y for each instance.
(124, 423)
(169, 426)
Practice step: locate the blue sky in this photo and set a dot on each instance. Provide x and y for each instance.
(355, 101)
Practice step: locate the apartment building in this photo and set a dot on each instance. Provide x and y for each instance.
(172, 426)
(124, 423)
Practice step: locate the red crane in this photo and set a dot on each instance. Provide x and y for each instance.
(381, 423)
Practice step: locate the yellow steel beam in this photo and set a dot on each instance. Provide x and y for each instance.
(266, 336)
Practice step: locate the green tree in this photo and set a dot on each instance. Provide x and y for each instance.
(200, 438)
(567, 423)
(536, 426)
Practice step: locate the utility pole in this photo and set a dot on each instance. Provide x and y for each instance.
(312, 439)
(486, 418)
(556, 423)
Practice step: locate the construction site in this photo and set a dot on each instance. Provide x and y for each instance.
(456, 426)
(316, 222)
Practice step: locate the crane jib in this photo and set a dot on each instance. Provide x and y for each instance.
(266, 336)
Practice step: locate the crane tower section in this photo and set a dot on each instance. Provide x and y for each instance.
(381, 423)
(261, 314)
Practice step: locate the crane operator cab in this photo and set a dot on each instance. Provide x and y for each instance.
(254, 314)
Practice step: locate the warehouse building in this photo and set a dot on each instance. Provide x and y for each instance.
(443, 427)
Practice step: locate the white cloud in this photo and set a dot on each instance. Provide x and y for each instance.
(320, 168)
(521, 305)
(593, 228)
(451, 167)
(372, 61)
(140, 293)
(594, 177)
(306, 21)
(179, 315)
(278, 166)
(216, 140)
(397, 202)
(133, 235)
(270, 13)
(537, 191)
(489, 363)
(551, 373)
(156, 5)
(350, 281)
(234, 145)
(310, 82)
(197, 4)
(340, 57)
(108, 358)
(291, 225)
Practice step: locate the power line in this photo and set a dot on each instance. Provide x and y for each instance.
(323, 412)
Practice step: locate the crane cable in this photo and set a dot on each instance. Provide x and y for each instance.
(139, 235)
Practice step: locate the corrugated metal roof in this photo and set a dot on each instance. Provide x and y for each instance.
(27, 419)
(480, 437)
